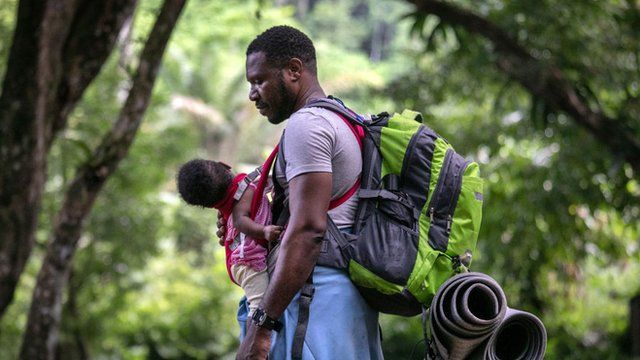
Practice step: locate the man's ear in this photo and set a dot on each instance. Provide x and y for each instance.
(294, 69)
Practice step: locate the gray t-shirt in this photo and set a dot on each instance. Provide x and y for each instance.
(318, 140)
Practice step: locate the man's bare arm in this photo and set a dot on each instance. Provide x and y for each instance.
(309, 196)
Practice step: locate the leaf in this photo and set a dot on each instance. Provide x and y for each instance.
(458, 36)
(418, 26)
(80, 144)
(586, 92)
(497, 102)
(534, 110)
(431, 43)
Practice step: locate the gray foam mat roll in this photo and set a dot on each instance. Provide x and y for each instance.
(469, 318)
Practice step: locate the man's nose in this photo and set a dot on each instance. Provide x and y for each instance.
(253, 94)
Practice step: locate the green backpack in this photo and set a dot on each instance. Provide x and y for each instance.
(418, 216)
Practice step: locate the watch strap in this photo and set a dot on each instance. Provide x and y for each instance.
(260, 318)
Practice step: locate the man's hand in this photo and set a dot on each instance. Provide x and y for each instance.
(272, 232)
(256, 344)
(222, 229)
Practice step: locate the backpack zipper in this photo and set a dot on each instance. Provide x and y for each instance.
(455, 194)
(437, 194)
(409, 155)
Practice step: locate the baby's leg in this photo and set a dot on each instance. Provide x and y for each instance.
(254, 283)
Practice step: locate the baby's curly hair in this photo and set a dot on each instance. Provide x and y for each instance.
(203, 182)
(282, 43)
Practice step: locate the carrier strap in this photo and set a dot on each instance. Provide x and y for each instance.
(244, 184)
(306, 295)
(262, 183)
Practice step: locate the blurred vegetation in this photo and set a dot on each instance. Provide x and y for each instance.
(560, 229)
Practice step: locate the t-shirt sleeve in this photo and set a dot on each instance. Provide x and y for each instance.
(308, 143)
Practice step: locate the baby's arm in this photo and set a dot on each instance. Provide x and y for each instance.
(242, 220)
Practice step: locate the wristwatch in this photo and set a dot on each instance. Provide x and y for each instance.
(263, 320)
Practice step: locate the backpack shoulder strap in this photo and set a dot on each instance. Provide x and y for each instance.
(355, 124)
(336, 105)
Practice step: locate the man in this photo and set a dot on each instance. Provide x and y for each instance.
(319, 160)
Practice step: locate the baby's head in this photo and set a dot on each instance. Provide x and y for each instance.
(204, 182)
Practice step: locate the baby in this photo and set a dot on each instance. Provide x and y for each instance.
(211, 184)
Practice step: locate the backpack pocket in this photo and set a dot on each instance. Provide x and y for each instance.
(436, 267)
(387, 245)
(467, 215)
(336, 248)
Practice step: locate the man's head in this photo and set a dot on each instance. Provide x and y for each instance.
(203, 182)
(279, 62)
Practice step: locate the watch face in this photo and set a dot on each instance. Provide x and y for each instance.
(260, 318)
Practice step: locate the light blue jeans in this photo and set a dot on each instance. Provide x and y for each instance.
(341, 324)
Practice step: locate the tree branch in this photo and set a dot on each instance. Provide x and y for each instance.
(44, 315)
(542, 80)
(93, 35)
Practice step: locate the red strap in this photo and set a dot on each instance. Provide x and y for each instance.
(358, 132)
(262, 183)
(342, 199)
(258, 193)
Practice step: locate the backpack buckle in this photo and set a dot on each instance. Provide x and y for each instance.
(461, 262)
(465, 258)
(307, 290)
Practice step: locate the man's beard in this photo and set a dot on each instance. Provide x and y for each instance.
(286, 103)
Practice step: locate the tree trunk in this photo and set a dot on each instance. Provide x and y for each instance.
(41, 334)
(32, 72)
(76, 348)
(543, 81)
(58, 48)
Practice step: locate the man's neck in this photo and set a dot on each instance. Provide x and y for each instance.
(308, 95)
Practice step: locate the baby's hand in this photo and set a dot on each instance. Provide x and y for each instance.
(272, 232)
(222, 229)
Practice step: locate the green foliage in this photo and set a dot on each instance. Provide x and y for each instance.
(557, 230)
(561, 218)
(177, 309)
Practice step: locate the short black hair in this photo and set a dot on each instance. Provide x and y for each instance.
(203, 182)
(282, 43)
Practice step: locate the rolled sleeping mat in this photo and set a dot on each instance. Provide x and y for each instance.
(466, 311)
(521, 336)
(469, 318)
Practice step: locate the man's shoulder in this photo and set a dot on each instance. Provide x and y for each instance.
(311, 123)
(314, 115)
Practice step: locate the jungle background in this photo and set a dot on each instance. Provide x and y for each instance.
(545, 95)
